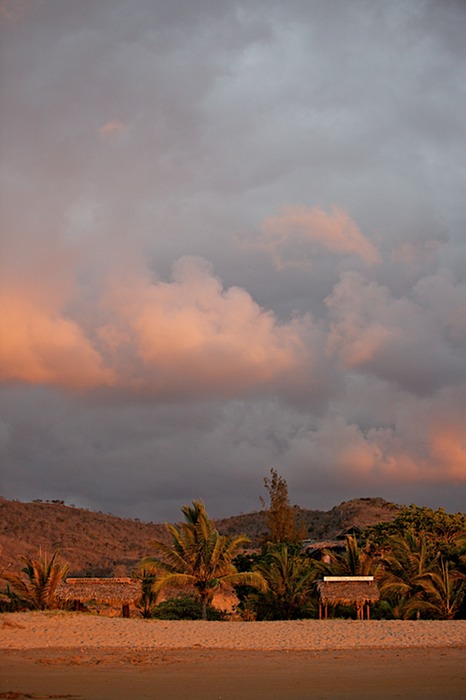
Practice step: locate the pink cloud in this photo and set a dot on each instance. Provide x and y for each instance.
(112, 127)
(359, 331)
(448, 446)
(164, 338)
(416, 448)
(299, 231)
(39, 346)
(412, 342)
(191, 334)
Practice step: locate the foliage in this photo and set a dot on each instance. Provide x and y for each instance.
(398, 607)
(199, 557)
(246, 561)
(416, 580)
(290, 590)
(422, 556)
(148, 599)
(404, 564)
(34, 587)
(443, 591)
(354, 562)
(281, 518)
(186, 607)
(439, 528)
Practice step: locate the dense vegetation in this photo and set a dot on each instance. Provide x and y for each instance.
(199, 557)
(418, 560)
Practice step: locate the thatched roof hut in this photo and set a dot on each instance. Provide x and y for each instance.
(316, 549)
(348, 590)
(114, 591)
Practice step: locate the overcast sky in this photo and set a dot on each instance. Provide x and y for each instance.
(233, 238)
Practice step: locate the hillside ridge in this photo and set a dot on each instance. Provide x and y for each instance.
(99, 544)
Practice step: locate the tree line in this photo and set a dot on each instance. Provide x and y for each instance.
(418, 561)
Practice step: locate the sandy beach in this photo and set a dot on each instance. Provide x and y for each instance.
(95, 658)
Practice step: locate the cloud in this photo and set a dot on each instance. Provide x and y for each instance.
(330, 343)
(185, 336)
(448, 448)
(422, 443)
(192, 335)
(413, 342)
(14, 10)
(112, 128)
(299, 233)
(39, 346)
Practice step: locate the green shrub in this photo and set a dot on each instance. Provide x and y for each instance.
(184, 608)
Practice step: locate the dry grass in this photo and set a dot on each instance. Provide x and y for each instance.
(106, 545)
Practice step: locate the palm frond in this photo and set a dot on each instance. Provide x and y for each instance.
(198, 555)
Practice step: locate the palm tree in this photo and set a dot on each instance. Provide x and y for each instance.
(148, 599)
(200, 557)
(290, 585)
(402, 568)
(35, 585)
(443, 591)
(399, 607)
(354, 562)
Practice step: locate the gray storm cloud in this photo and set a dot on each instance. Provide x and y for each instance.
(232, 238)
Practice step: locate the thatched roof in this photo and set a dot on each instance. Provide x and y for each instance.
(338, 543)
(317, 545)
(120, 591)
(347, 590)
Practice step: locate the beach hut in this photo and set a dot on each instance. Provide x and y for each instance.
(319, 549)
(360, 591)
(114, 591)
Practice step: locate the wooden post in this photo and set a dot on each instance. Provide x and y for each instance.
(320, 611)
(125, 610)
(326, 611)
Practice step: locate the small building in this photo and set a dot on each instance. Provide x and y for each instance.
(319, 549)
(350, 531)
(113, 591)
(360, 591)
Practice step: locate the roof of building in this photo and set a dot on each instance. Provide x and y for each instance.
(348, 590)
(105, 590)
(312, 546)
(349, 531)
(338, 542)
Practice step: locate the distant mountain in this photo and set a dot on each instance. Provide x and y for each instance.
(106, 545)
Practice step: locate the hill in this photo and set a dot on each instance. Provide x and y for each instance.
(96, 544)
(93, 543)
(319, 524)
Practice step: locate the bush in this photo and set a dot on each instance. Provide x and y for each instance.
(184, 608)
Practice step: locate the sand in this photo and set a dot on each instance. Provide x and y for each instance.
(97, 658)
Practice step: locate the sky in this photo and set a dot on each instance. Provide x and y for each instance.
(233, 239)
